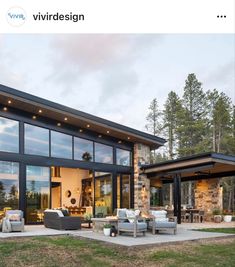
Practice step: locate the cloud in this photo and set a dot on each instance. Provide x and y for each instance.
(222, 78)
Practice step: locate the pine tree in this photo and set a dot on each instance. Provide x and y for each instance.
(154, 118)
(192, 120)
(154, 124)
(171, 111)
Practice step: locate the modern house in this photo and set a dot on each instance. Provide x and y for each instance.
(55, 156)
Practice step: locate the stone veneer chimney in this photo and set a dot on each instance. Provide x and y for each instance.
(141, 182)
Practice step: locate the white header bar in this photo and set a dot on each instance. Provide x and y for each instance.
(117, 16)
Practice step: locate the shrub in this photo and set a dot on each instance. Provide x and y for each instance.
(107, 225)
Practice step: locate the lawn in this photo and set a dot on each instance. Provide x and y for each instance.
(70, 251)
(219, 230)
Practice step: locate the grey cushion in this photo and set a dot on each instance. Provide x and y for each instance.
(15, 223)
(163, 224)
(121, 213)
(130, 226)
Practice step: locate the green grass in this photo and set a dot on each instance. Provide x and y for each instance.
(219, 230)
(68, 252)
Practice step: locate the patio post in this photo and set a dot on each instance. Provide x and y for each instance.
(175, 195)
(179, 198)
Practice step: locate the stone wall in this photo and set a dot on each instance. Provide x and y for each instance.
(141, 182)
(208, 195)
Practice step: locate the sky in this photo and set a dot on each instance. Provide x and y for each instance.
(115, 76)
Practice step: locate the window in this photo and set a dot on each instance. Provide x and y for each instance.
(36, 140)
(37, 192)
(9, 135)
(61, 145)
(123, 191)
(9, 186)
(83, 149)
(123, 157)
(103, 153)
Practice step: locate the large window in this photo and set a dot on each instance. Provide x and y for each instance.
(9, 186)
(103, 153)
(36, 140)
(37, 192)
(83, 149)
(103, 194)
(61, 145)
(123, 157)
(9, 135)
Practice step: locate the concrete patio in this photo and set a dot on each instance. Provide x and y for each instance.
(185, 232)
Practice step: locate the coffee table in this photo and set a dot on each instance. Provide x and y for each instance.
(98, 223)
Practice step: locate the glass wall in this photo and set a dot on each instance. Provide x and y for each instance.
(123, 157)
(37, 192)
(156, 196)
(123, 191)
(9, 186)
(36, 140)
(103, 194)
(9, 135)
(61, 145)
(103, 153)
(83, 149)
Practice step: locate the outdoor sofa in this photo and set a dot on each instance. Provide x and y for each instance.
(56, 219)
(160, 221)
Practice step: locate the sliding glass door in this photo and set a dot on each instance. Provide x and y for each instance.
(103, 194)
(37, 192)
(123, 191)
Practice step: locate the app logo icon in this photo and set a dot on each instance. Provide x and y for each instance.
(16, 16)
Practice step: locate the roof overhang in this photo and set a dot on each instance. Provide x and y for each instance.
(196, 167)
(32, 104)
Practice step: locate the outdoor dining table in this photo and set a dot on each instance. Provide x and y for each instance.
(191, 212)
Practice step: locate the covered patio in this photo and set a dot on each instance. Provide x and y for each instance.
(205, 169)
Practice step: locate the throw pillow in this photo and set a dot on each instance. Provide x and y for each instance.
(65, 212)
(14, 217)
(131, 214)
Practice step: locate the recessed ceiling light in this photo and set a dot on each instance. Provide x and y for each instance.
(34, 117)
(65, 118)
(128, 138)
(99, 135)
(5, 108)
(58, 124)
(81, 130)
(9, 102)
(119, 142)
(88, 126)
(40, 111)
(107, 132)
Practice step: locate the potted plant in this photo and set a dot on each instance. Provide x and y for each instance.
(87, 216)
(227, 216)
(217, 215)
(106, 229)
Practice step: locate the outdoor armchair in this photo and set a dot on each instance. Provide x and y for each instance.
(13, 221)
(159, 221)
(130, 222)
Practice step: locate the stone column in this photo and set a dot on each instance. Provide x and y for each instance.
(208, 195)
(141, 182)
